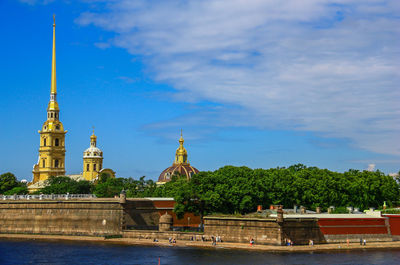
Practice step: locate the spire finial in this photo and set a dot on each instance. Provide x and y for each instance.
(54, 20)
(181, 132)
(93, 130)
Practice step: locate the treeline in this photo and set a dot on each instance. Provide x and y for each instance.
(240, 189)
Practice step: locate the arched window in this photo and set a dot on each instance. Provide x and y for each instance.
(51, 115)
(87, 167)
(57, 142)
(44, 142)
(56, 163)
(43, 163)
(94, 167)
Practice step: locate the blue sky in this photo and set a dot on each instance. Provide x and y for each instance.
(256, 83)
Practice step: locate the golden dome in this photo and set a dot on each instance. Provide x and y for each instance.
(180, 166)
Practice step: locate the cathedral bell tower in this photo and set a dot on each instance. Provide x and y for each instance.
(51, 160)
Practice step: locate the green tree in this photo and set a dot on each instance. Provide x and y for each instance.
(8, 181)
(109, 188)
(17, 190)
(64, 184)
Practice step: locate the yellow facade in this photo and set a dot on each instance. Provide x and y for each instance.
(51, 160)
(92, 160)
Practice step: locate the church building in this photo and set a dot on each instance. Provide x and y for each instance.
(51, 161)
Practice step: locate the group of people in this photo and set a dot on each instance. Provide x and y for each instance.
(172, 240)
(215, 239)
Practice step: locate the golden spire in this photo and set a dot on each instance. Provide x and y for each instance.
(181, 153)
(53, 62)
(53, 105)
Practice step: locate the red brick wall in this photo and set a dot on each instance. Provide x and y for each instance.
(340, 226)
(394, 222)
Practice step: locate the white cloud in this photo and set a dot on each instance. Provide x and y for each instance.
(330, 67)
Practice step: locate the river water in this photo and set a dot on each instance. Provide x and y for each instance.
(61, 252)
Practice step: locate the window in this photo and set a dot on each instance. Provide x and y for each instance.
(51, 115)
(87, 167)
(57, 143)
(56, 163)
(43, 163)
(58, 127)
(94, 167)
(44, 141)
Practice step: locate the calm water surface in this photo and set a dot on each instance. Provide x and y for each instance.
(56, 252)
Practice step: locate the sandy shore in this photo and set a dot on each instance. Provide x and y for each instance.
(164, 243)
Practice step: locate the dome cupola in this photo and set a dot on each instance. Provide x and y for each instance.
(180, 165)
(93, 150)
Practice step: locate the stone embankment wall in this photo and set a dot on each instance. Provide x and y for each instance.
(263, 230)
(302, 230)
(70, 217)
(152, 234)
(92, 216)
(232, 229)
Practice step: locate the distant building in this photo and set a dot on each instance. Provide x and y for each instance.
(180, 165)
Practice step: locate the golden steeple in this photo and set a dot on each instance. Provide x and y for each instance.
(51, 160)
(181, 153)
(53, 105)
(93, 139)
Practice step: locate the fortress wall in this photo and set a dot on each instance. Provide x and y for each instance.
(85, 216)
(394, 223)
(302, 230)
(232, 229)
(151, 234)
(70, 217)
